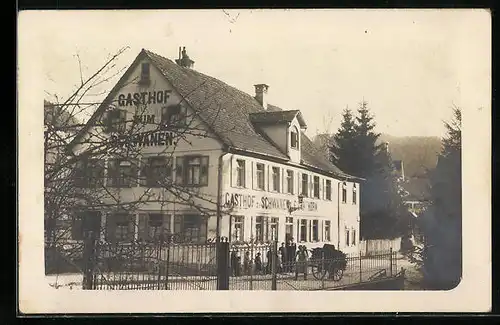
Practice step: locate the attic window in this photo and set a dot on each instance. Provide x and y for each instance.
(294, 139)
(145, 77)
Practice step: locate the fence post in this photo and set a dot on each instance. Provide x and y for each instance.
(390, 272)
(274, 255)
(360, 269)
(223, 266)
(169, 238)
(251, 266)
(88, 261)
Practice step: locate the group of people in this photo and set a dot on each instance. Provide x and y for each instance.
(289, 258)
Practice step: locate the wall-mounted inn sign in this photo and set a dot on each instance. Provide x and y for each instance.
(247, 201)
(146, 97)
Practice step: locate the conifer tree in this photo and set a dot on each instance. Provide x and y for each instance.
(366, 142)
(442, 222)
(342, 149)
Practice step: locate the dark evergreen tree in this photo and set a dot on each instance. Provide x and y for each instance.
(342, 149)
(442, 222)
(366, 142)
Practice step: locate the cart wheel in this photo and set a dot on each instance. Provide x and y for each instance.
(338, 274)
(318, 271)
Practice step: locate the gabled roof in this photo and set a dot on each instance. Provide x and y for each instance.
(275, 117)
(227, 111)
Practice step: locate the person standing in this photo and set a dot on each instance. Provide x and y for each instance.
(301, 266)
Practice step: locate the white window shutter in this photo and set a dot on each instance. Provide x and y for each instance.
(234, 171)
(248, 174)
(268, 178)
(311, 186)
(299, 183)
(254, 174)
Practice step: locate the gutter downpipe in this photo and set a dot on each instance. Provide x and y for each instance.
(225, 150)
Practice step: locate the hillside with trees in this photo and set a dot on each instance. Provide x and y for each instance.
(418, 153)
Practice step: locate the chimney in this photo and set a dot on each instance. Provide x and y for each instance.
(184, 60)
(261, 94)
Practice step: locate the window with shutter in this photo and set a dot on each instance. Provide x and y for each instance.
(179, 170)
(204, 171)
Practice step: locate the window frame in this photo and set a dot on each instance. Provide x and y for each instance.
(202, 228)
(315, 234)
(262, 174)
(328, 190)
(149, 174)
(305, 189)
(316, 186)
(240, 173)
(289, 181)
(237, 220)
(275, 176)
(354, 194)
(294, 138)
(303, 234)
(327, 231)
(86, 170)
(344, 192)
(118, 173)
(145, 76)
(181, 177)
(116, 120)
(173, 116)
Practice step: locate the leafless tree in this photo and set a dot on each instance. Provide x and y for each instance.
(77, 174)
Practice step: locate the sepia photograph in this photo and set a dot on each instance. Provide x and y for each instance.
(314, 154)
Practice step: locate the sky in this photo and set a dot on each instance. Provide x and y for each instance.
(411, 66)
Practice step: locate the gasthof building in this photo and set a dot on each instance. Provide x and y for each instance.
(253, 166)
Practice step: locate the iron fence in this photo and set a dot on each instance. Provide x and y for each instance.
(155, 266)
(166, 265)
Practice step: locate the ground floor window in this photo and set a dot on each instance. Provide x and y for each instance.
(154, 226)
(354, 237)
(303, 230)
(237, 231)
(315, 230)
(120, 227)
(327, 230)
(190, 228)
(261, 229)
(273, 228)
(84, 222)
(347, 237)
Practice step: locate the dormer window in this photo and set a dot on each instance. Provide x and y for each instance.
(145, 76)
(294, 138)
